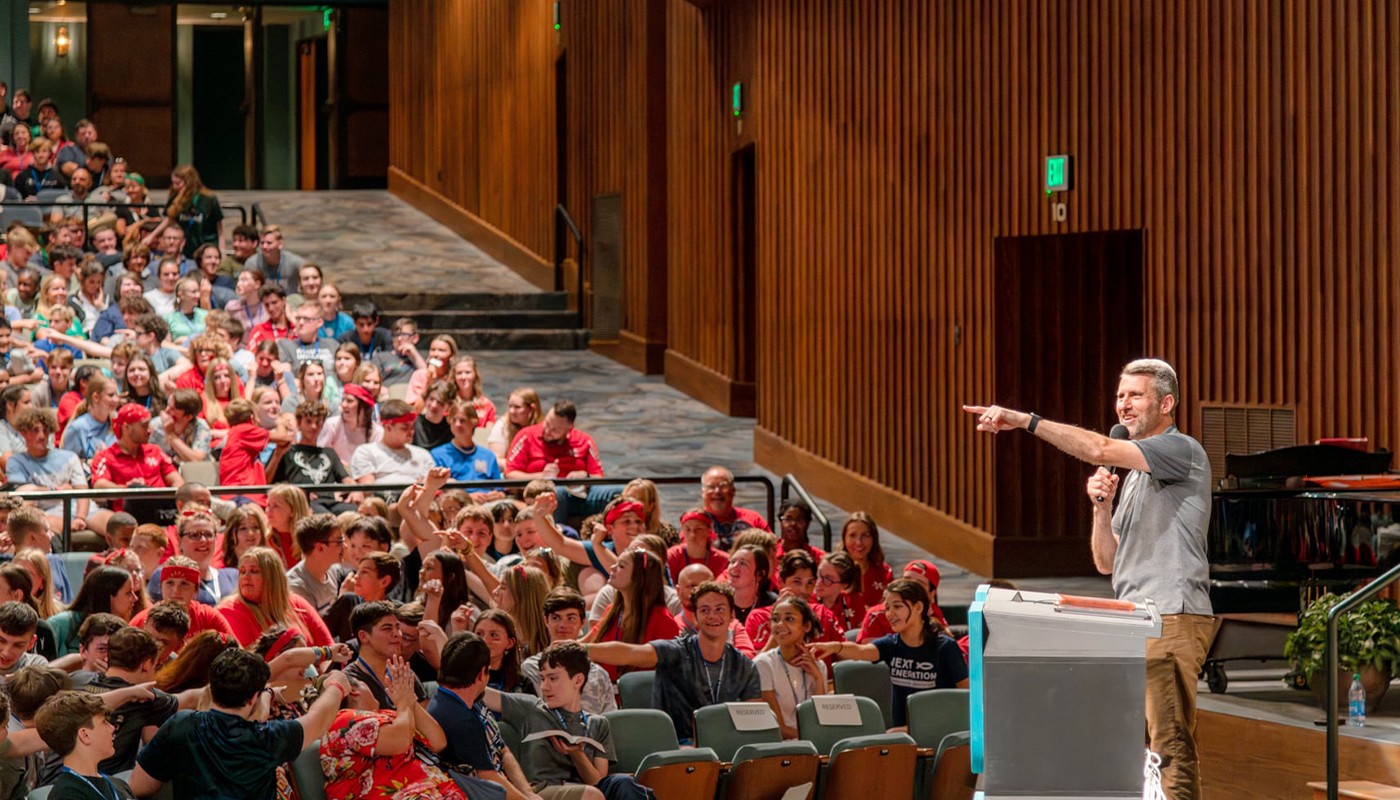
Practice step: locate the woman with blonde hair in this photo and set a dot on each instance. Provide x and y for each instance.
(644, 492)
(205, 349)
(286, 506)
(245, 528)
(466, 383)
(521, 593)
(41, 576)
(220, 388)
(522, 410)
(192, 208)
(90, 427)
(639, 613)
(263, 600)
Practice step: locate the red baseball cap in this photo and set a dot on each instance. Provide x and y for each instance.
(926, 569)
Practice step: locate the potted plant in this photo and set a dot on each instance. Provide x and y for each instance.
(1368, 643)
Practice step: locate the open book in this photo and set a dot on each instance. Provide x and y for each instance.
(566, 736)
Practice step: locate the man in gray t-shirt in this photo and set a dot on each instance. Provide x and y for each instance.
(1154, 545)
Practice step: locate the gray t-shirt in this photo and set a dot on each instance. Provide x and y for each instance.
(1161, 522)
(541, 763)
(317, 593)
(685, 681)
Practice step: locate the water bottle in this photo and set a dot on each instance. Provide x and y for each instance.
(1356, 702)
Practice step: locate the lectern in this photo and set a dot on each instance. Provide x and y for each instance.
(1058, 686)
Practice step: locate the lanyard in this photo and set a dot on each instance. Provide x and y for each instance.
(38, 182)
(703, 560)
(705, 673)
(212, 584)
(96, 790)
(559, 714)
(370, 672)
(787, 674)
(248, 312)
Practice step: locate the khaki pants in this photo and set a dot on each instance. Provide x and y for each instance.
(569, 791)
(1173, 662)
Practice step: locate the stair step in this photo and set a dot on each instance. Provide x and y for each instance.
(505, 318)
(513, 339)
(1359, 790)
(400, 304)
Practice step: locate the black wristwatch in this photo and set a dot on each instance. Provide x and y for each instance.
(1035, 420)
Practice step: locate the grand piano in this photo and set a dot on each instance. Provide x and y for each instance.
(1290, 525)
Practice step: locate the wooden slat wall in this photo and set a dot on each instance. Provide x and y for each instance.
(471, 102)
(1253, 141)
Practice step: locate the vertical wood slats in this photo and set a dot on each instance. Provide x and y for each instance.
(1251, 140)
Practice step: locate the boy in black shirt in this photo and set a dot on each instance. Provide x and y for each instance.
(76, 727)
(42, 175)
(304, 463)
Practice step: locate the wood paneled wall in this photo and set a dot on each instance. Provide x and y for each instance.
(1252, 141)
(471, 110)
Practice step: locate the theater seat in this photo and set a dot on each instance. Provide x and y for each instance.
(307, 775)
(635, 688)
(933, 714)
(205, 472)
(866, 679)
(767, 771)
(637, 732)
(74, 565)
(825, 737)
(953, 778)
(714, 728)
(689, 774)
(872, 766)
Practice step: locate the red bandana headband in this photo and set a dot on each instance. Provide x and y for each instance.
(281, 644)
(359, 392)
(622, 508)
(128, 414)
(697, 516)
(409, 418)
(169, 571)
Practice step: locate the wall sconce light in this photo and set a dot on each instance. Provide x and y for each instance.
(61, 42)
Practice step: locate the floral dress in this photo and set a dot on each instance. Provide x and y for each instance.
(355, 772)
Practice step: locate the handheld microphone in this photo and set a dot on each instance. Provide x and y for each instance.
(1119, 432)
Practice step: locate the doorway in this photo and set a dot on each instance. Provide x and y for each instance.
(313, 120)
(744, 255)
(1068, 316)
(218, 125)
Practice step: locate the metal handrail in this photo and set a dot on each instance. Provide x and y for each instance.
(168, 492)
(562, 213)
(87, 208)
(1333, 621)
(790, 483)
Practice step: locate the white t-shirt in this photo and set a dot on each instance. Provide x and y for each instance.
(163, 303)
(791, 684)
(408, 464)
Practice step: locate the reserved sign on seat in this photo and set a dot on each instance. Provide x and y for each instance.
(837, 709)
(752, 716)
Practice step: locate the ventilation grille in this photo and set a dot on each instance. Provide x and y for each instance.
(1242, 430)
(606, 270)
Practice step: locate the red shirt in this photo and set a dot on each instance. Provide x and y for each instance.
(759, 631)
(247, 629)
(873, 582)
(848, 613)
(660, 625)
(151, 465)
(815, 552)
(485, 411)
(193, 378)
(66, 404)
(677, 559)
(240, 463)
(531, 453)
(202, 618)
(267, 330)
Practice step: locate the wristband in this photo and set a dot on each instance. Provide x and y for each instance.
(1035, 420)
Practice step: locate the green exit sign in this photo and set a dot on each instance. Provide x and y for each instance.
(738, 99)
(1057, 174)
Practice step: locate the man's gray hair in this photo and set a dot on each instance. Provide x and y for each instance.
(1163, 377)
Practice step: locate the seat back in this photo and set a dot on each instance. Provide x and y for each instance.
(864, 679)
(32, 217)
(873, 766)
(307, 775)
(205, 472)
(935, 713)
(637, 732)
(431, 688)
(824, 737)
(953, 778)
(74, 567)
(768, 771)
(635, 688)
(714, 728)
(41, 793)
(689, 774)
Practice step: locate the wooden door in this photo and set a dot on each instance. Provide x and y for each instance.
(307, 113)
(131, 84)
(1069, 315)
